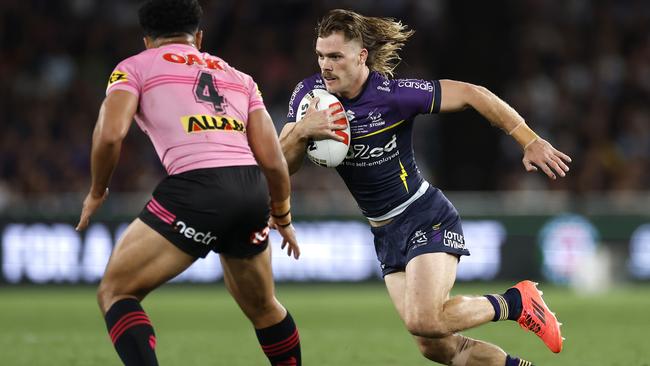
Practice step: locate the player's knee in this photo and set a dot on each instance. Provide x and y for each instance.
(104, 296)
(425, 326)
(259, 307)
(108, 294)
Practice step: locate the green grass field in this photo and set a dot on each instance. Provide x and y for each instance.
(342, 324)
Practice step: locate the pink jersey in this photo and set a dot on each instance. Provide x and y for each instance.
(193, 106)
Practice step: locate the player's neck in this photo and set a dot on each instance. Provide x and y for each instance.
(358, 86)
(181, 39)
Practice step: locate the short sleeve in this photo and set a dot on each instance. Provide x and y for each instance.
(417, 96)
(298, 93)
(126, 76)
(255, 101)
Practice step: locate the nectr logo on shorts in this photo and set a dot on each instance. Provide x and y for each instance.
(453, 240)
(191, 233)
(203, 122)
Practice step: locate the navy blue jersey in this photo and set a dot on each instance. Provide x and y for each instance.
(380, 169)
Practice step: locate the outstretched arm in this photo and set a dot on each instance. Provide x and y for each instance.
(538, 152)
(115, 118)
(263, 141)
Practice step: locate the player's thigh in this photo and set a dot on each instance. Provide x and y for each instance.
(408, 295)
(141, 261)
(428, 282)
(437, 349)
(250, 281)
(396, 286)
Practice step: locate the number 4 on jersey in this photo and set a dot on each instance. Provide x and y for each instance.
(206, 91)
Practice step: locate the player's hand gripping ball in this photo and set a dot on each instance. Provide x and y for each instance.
(328, 153)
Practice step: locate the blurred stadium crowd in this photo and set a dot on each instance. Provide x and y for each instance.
(577, 70)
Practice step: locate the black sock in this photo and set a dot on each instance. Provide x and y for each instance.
(513, 298)
(506, 306)
(131, 332)
(514, 361)
(281, 343)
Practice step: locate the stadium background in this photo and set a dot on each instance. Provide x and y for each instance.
(578, 71)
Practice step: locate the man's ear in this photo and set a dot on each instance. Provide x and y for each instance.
(198, 39)
(363, 56)
(148, 42)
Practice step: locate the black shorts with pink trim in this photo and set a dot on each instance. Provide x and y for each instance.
(224, 210)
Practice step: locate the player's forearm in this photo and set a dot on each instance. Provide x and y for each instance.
(275, 170)
(502, 115)
(115, 117)
(279, 183)
(104, 157)
(265, 147)
(293, 146)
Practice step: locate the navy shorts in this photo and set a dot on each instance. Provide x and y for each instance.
(431, 224)
(224, 210)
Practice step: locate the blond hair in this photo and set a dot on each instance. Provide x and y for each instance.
(382, 37)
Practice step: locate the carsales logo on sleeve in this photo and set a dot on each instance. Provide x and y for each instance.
(299, 87)
(415, 84)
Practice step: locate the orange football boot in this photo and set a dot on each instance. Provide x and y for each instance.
(537, 317)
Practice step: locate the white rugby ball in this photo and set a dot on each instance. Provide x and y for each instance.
(328, 153)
